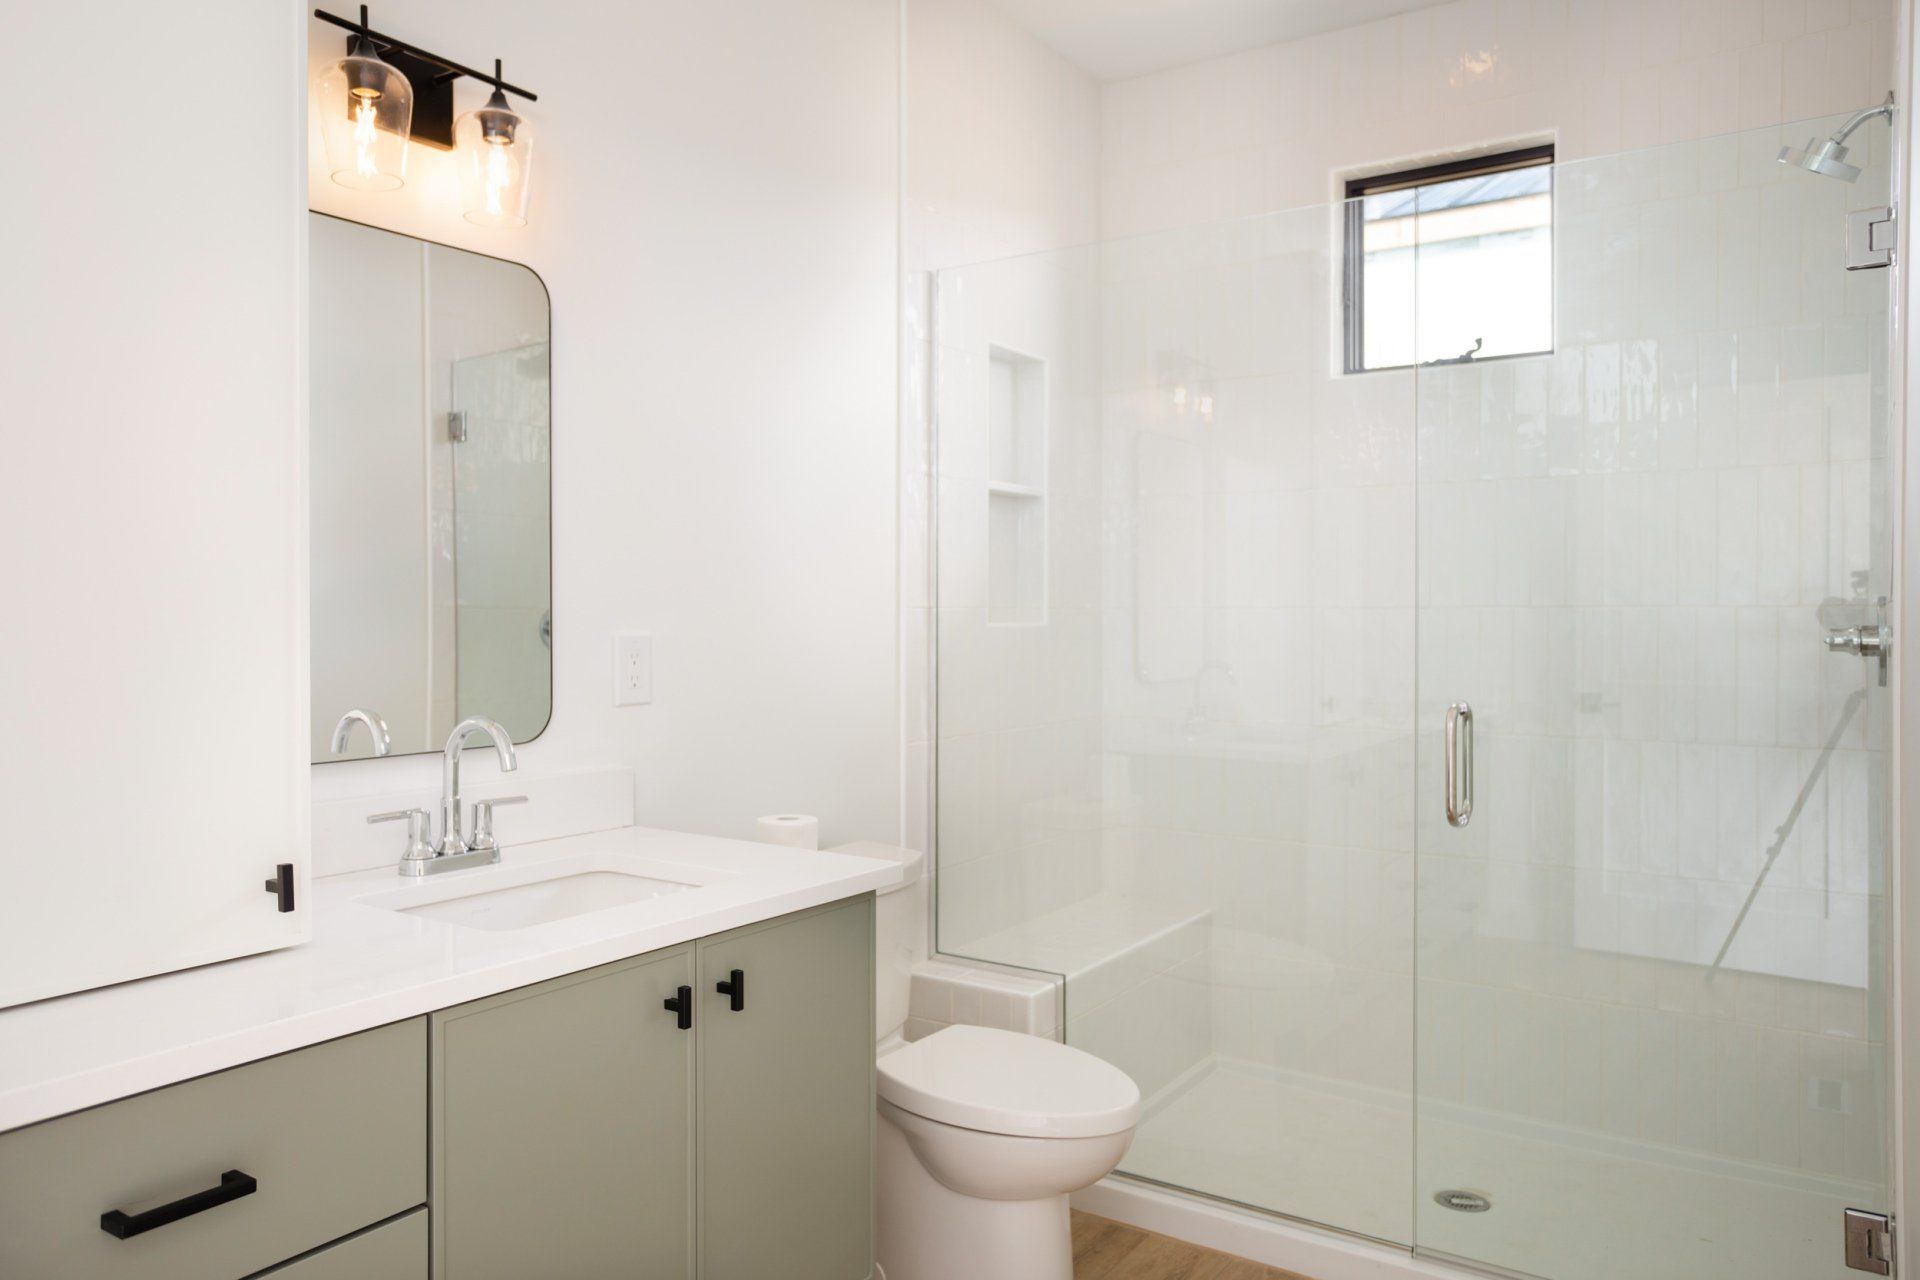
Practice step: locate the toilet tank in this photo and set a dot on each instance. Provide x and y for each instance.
(900, 932)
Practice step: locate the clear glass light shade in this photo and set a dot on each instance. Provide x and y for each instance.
(366, 114)
(495, 150)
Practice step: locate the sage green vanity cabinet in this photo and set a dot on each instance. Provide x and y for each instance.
(580, 1131)
(786, 1098)
(701, 1111)
(563, 1128)
(222, 1176)
(394, 1250)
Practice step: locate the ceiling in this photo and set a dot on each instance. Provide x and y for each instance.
(1116, 39)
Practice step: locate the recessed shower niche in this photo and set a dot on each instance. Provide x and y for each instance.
(1016, 488)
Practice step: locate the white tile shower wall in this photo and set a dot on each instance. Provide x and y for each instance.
(1272, 127)
(1625, 551)
(996, 166)
(1019, 703)
(945, 993)
(748, 518)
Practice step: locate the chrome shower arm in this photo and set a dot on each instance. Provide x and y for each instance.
(1859, 118)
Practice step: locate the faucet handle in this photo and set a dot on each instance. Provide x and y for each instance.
(419, 835)
(483, 821)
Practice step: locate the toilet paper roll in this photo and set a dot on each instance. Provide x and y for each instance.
(795, 830)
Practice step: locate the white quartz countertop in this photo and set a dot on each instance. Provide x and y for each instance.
(370, 964)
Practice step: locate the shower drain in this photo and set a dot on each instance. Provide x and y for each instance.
(1464, 1201)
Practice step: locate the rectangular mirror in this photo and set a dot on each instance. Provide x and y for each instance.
(431, 452)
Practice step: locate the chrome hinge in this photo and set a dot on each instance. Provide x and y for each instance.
(457, 427)
(1870, 237)
(1869, 1242)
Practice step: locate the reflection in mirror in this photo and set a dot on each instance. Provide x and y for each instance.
(430, 468)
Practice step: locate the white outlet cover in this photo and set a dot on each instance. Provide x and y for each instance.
(632, 669)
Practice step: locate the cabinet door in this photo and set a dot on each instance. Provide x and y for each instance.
(562, 1129)
(153, 669)
(786, 1099)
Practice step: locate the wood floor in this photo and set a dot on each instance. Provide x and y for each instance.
(1104, 1250)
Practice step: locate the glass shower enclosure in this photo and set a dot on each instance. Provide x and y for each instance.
(1209, 610)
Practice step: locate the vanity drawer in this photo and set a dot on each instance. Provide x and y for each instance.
(395, 1250)
(258, 1164)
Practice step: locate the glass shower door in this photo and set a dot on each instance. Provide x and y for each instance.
(1652, 966)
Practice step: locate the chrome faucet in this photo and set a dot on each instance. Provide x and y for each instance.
(423, 857)
(451, 842)
(376, 729)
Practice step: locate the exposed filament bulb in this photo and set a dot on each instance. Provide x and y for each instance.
(363, 137)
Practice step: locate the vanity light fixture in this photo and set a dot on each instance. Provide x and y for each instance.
(495, 147)
(366, 113)
(387, 92)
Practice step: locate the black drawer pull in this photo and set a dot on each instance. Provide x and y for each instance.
(281, 886)
(682, 1004)
(734, 986)
(123, 1226)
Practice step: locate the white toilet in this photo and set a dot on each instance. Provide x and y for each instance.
(982, 1135)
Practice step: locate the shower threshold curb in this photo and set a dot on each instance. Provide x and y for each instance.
(1273, 1241)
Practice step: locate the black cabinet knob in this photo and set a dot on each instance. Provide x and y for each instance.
(281, 886)
(734, 987)
(681, 1003)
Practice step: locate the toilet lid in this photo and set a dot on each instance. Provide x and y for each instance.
(1005, 1082)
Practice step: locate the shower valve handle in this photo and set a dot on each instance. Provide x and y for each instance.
(1867, 641)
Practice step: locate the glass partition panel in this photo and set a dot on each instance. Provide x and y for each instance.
(1652, 964)
(1175, 658)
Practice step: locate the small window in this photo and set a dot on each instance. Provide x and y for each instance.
(1451, 263)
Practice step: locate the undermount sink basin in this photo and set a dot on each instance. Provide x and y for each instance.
(544, 901)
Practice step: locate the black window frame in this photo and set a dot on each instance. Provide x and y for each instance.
(1353, 300)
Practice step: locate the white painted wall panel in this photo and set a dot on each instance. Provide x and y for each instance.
(714, 216)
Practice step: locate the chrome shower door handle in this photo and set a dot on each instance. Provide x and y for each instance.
(1459, 764)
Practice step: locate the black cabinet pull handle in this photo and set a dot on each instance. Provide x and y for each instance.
(734, 986)
(124, 1226)
(281, 886)
(682, 1004)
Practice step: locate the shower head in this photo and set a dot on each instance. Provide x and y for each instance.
(1829, 158)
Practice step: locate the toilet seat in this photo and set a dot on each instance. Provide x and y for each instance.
(1008, 1083)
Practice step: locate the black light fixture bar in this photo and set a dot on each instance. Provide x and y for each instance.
(450, 69)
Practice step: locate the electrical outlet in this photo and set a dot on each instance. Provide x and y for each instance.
(632, 669)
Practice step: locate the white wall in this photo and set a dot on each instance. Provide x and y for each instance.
(1273, 128)
(1003, 139)
(153, 661)
(714, 215)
